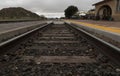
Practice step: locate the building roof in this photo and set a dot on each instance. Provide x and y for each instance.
(101, 2)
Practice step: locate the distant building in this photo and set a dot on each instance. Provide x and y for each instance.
(82, 13)
(79, 15)
(90, 14)
(108, 10)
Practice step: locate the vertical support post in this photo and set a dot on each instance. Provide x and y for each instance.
(118, 5)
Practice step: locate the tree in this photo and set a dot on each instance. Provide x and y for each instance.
(70, 11)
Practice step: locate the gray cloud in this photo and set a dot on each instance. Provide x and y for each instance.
(48, 6)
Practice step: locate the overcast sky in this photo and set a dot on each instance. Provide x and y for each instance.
(49, 8)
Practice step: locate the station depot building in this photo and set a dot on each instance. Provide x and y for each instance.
(108, 10)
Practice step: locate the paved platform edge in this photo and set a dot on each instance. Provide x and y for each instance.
(111, 35)
(17, 31)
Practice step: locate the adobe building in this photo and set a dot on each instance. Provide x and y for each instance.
(108, 10)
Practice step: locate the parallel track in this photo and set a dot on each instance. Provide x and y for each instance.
(58, 50)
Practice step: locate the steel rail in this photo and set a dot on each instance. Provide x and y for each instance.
(106, 48)
(17, 38)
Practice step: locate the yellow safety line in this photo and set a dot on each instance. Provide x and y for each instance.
(114, 30)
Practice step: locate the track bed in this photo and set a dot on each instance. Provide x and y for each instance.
(56, 51)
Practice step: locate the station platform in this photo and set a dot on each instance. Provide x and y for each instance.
(115, 28)
(10, 30)
(107, 29)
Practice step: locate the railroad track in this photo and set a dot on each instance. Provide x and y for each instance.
(58, 49)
